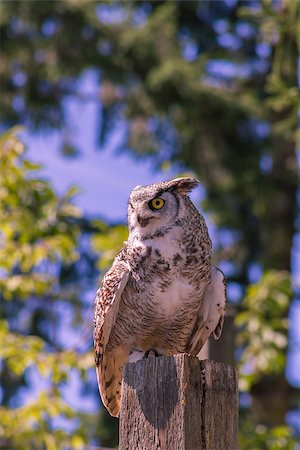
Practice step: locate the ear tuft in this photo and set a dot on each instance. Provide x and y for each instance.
(139, 186)
(183, 185)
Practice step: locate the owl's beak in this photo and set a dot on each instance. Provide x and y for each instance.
(143, 221)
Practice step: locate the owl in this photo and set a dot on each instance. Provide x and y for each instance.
(161, 296)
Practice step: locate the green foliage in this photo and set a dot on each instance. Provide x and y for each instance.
(38, 230)
(35, 224)
(263, 328)
(262, 438)
(20, 352)
(279, 25)
(108, 242)
(30, 426)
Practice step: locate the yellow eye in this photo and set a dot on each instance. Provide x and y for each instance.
(157, 203)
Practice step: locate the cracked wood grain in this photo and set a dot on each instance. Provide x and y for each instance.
(178, 403)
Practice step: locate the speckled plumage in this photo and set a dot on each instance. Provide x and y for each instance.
(161, 292)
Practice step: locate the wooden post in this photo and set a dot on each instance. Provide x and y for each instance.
(179, 403)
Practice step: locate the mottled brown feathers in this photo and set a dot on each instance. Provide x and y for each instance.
(161, 292)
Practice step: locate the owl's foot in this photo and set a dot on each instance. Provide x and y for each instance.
(152, 352)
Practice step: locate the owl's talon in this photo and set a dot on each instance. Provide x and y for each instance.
(152, 352)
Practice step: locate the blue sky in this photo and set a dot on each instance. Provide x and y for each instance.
(105, 176)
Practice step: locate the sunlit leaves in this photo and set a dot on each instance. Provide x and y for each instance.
(20, 352)
(108, 243)
(33, 425)
(36, 225)
(263, 327)
(260, 437)
(39, 232)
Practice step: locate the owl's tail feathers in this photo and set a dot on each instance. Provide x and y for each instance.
(109, 376)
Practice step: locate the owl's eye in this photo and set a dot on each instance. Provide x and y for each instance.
(156, 203)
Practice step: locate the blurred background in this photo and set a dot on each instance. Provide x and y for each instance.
(97, 97)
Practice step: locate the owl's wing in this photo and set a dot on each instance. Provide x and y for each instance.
(211, 313)
(109, 363)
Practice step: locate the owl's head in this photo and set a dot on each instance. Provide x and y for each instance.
(154, 207)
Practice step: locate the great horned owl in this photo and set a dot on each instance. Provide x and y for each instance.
(161, 293)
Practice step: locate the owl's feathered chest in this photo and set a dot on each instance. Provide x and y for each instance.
(163, 294)
(173, 255)
(167, 275)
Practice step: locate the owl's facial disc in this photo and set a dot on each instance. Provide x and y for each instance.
(148, 214)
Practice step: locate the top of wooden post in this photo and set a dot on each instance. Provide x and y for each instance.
(179, 403)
